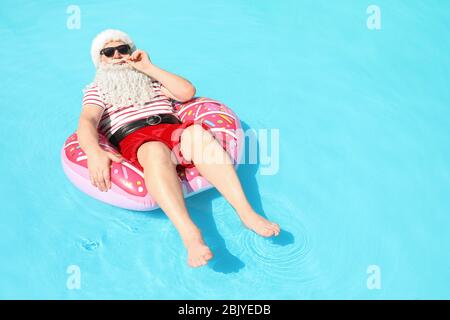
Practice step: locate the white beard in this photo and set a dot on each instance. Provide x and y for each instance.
(120, 85)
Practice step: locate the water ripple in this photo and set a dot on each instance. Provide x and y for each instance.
(89, 245)
(287, 258)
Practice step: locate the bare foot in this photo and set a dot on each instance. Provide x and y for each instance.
(260, 225)
(198, 252)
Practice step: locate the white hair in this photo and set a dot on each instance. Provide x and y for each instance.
(121, 85)
(106, 36)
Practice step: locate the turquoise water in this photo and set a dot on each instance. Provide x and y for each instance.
(364, 154)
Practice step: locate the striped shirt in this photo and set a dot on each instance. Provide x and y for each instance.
(112, 120)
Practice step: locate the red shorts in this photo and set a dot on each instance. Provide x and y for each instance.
(164, 132)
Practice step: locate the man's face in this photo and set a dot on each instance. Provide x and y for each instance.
(120, 83)
(117, 58)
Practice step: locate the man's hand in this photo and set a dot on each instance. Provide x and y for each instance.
(140, 61)
(180, 89)
(99, 166)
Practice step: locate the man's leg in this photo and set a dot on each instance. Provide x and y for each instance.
(213, 162)
(163, 185)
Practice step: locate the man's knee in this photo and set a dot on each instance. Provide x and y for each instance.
(193, 136)
(153, 152)
(198, 132)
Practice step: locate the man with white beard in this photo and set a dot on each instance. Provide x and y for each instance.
(123, 85)
(130, 102)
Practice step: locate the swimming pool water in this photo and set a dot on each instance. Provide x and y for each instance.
(364, 156)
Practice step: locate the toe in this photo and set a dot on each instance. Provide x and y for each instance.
(276, 229)
(195, 263)
(273, 231)
(200, 262)
(267, 232)
(208, 255)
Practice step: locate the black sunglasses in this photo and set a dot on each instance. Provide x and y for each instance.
(109, 52)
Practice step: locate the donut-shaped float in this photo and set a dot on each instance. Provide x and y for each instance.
(128, 189)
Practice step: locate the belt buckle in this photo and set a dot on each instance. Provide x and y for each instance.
(154, 120)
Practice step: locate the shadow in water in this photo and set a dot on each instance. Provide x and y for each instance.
(283, 239)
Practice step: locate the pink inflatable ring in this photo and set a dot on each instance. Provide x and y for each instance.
(128, 189)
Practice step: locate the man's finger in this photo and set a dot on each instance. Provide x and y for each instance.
(107, 179)
(91, 177)
(102, 185)
(95, 178)
(138, 55)
(99, 181)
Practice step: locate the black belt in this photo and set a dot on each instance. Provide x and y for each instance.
(153, 120)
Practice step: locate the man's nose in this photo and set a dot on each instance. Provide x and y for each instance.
(117, 55)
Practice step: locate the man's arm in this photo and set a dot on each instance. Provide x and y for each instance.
(177, 87)
(87, 128)
(173, 86)
(170, 95)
